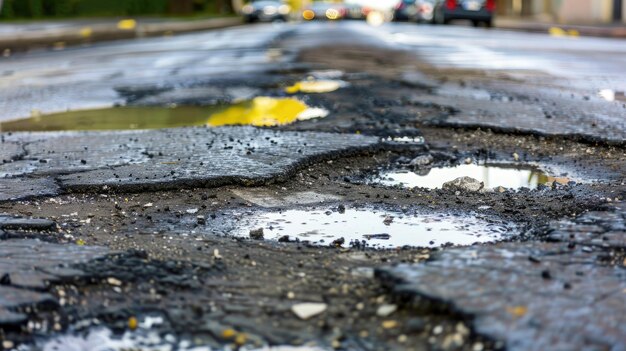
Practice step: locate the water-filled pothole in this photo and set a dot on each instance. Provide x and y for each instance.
(379, 229)
(260, 111)
(492, 176)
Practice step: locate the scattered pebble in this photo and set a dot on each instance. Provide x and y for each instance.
(464, 184)
(256, 234)
(114, 281)
(421, 161)
(308, 310)
(386, 310)
(390, 324)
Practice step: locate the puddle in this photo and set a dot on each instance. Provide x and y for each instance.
(315, 86)
(260, 111)
(103, 339)
(379, 229)
(492, 175)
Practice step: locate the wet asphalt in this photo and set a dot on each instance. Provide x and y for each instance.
(138, 224)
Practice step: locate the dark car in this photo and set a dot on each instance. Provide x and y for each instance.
(477, 11)
(413, 10)
(324, 11)
(266, 11)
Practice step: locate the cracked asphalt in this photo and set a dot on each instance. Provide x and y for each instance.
(119, 229)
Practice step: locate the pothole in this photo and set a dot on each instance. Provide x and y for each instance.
(492, 175)
(260, 111)
(373, 228)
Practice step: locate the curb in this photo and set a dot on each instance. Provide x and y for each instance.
(124, 29)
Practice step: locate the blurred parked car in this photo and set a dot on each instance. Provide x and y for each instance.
(413, 10)
(266, 11)
(324, 11)
(355, 11)
(476, 11)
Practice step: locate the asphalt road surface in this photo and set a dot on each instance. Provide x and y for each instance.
(264, 237)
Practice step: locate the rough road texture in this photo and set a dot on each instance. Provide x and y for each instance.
(165, 158)
(569, 295)
(27, 265)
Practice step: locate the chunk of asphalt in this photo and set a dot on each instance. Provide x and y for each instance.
(23, 188)
(521, 116)
(19, 223)
(582, 306)
(27, 265)
(175, 158)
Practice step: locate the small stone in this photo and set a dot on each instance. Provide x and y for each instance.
(390, 324)
(386, 310)
(291, 295)
(468, 161)
(388, 220)
(201, 220)
(241, 339)
(421, 161)
(437, 330)
(149, 204)
(516, 156)
(132, 323)
(500, 189)
(464, 184)
(256, 234)
(402, 338)
(114, 281)
(284, 239)
(308, 310)
(192, 211)
(338, 242)
(229, 334)
(216, 254)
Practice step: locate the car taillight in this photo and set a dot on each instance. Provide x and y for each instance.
(451, 4)
(400, 5)
(490, 5)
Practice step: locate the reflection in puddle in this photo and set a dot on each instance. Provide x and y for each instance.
(612, 95)
(265, 111)
(315, 86)
(260, 111)
(376, 228)
(492, 175)
(103, 339)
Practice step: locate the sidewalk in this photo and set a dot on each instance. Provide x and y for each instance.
(21, 37)
(617, 30)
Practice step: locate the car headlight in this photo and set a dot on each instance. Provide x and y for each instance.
(332, 14)
(248, 9)
(284, 9)
(308, 15)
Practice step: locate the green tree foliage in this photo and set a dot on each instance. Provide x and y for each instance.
(92, 8)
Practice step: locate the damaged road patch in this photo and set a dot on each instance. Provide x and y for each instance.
(533, 295)
(27, 265)
(173, 158)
